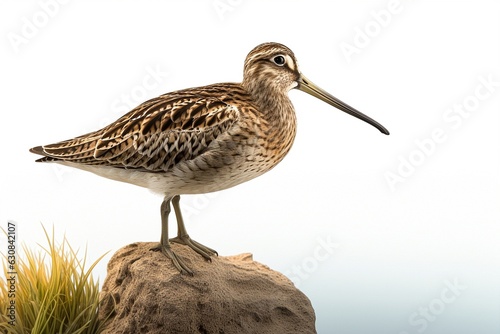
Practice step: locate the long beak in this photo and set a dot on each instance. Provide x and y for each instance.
(307, 86)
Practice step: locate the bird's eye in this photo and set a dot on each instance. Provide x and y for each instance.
(279, 60)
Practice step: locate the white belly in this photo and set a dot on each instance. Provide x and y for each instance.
(185, 178)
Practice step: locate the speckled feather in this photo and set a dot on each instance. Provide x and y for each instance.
(158, 133)
(243, 128)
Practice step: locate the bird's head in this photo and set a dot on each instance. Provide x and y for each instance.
(271, 71)
(271, 66)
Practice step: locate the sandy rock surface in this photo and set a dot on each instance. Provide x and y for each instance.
(144, 293)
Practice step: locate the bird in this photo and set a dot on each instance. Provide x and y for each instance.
(200, 140)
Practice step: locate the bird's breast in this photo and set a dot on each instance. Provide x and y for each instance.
(250, 148)
(263, 140)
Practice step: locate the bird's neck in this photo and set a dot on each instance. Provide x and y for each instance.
(275, 105)
(278, 112)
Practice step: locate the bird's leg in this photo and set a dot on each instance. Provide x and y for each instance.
(183, 237)
(164, 245)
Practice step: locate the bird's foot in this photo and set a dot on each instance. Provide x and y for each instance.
(176, 260)
(203, 250)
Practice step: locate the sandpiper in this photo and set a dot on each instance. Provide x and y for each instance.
(200, 140)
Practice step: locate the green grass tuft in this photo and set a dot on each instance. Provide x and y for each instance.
(55, 293)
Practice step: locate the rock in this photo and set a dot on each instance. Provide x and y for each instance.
(144, 293)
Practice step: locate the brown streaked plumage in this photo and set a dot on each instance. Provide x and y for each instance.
(201, 139)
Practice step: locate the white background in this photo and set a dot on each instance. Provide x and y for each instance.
(395, 247)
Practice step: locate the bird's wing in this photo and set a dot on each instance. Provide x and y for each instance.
(154, 136)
